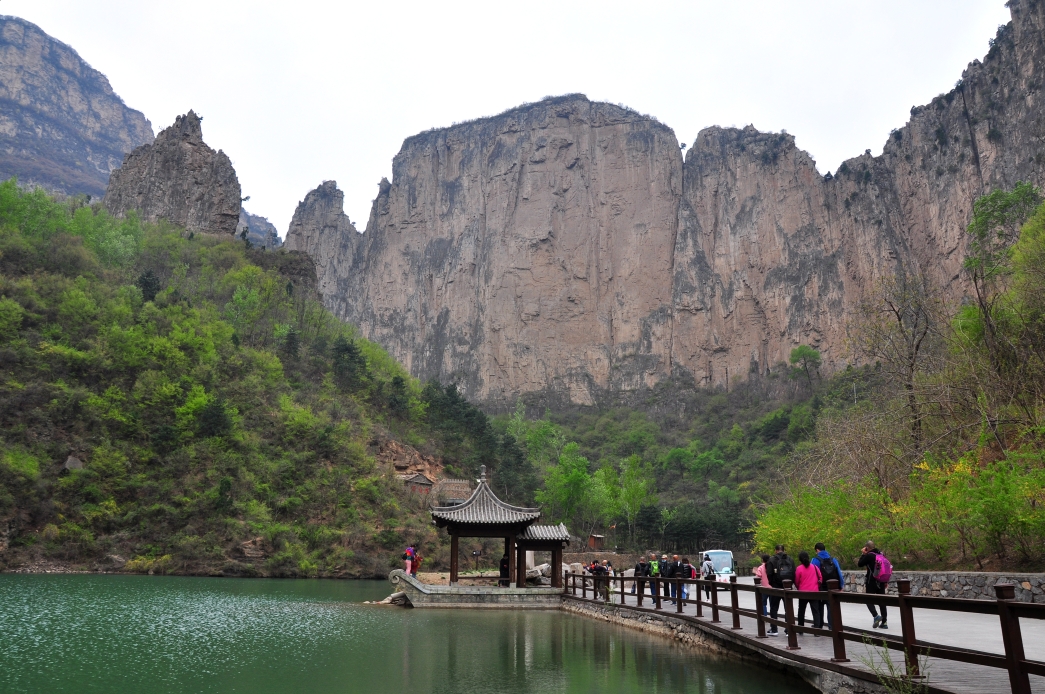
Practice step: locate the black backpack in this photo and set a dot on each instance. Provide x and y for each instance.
(828, 571)
(786, 568)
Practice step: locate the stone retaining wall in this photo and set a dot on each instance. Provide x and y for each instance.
(955, 584)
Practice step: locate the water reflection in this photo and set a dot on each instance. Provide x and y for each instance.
(114, 633)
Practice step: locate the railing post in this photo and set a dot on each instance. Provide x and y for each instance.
(835, 607)
(640, 588)
(656, 592)
(714, 603)
(678, 595)
(760, 618)
(1012, 638)
(789, 617)
(622, 590)
(584, 587)
(734, 602)
(903, 589)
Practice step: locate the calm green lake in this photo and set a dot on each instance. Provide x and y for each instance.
(86, 633)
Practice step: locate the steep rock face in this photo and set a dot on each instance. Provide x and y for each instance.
(321, 228)
(61, 125)
(771, 255)
(527, 250)
(564, 246)
(180, 179)
(260, 231)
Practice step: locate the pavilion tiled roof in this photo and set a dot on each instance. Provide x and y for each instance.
(546, 532)
(484, 507)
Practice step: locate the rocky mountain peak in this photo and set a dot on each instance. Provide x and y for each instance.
(178, 178)
(61, 124)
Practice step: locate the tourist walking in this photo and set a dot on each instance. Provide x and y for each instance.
(688, 573)
(780, 568)
(879, 571)
(408, 559)
(664, 564)
(762, 579)
(707, 572)
(641, 570)
(830, 570)
(415, 565)
(807, 580)
(674, 571)
(654, 572)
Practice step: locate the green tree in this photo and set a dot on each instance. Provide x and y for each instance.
(636, 490)
(349, 363)
(566, 486)
(806, 360)
(149, 284)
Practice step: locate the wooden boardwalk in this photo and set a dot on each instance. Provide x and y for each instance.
(979, 632)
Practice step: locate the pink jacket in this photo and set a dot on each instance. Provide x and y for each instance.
(807, 577)
(760, 572)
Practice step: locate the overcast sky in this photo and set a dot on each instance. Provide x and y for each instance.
(305, 91)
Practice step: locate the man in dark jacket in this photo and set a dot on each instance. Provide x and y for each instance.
(868, 559)
(664, 564)
(641, 570)
(674, 571)
(780, 568)
(503, 572)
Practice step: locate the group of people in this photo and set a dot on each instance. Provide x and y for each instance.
(412, 560)
(812, 573)
(673, 568)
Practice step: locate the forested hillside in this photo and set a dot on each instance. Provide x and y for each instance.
(185, 403)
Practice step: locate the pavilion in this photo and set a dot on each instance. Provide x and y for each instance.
(484, 515)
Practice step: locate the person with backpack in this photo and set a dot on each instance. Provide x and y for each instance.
(879, 572)
(674, 571)
(654, 572)
(781, 568)
(707, 572)
(665, 565)
(830, 569)
(416, 563)
(689, 573)
(807, 580)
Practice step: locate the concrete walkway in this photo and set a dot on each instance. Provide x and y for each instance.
(969, 631)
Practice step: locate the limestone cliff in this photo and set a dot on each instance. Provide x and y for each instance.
(564, 246)
(61, 125)
(180, 179)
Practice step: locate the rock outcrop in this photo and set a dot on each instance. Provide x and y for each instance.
(180, 179)
(61, 125)
(260, 231)
(565, 246)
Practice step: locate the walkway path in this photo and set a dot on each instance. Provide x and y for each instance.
(978, 632)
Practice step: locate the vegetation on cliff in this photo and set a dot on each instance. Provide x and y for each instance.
(944, 465)
(220, 413)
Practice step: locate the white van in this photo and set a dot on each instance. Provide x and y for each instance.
(722, 560)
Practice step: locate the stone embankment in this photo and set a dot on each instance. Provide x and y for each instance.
(1030, 587)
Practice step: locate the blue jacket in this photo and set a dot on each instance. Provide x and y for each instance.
(824, 556)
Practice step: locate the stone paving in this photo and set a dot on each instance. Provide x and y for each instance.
(963, 630)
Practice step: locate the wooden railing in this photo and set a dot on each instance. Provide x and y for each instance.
(1008, 611)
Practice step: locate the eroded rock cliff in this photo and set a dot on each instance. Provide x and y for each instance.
(180, 179)
(565, 247)
(260, 231)
(61, 125)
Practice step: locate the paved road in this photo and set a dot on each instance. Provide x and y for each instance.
(971, 631)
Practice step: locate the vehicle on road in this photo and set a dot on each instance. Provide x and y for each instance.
(722, 560)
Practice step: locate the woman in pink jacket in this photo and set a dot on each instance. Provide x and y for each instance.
(808, 579)
(760, 573)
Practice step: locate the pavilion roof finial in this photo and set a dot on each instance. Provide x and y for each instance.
(482, 473)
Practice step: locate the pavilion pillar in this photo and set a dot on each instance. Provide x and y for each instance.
(557, 567)
(509, 549)
(453, 558)
(520, 567)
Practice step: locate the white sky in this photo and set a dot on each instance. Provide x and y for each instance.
(309, 90)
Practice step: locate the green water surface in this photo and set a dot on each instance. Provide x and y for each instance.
(90, 633)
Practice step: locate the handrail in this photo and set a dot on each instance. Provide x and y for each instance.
(677, 590)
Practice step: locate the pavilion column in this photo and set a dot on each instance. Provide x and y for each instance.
(509, 549)
(520, 567)
(453, 558)
(557, 567)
